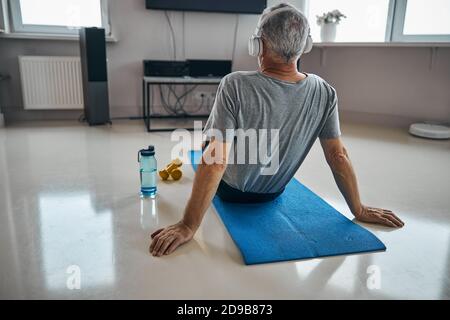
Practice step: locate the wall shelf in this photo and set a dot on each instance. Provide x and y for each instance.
(39, 36)
(382, 44)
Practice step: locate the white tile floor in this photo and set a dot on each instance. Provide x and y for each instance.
(69, 196)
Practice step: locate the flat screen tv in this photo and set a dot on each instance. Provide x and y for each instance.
(227, 6)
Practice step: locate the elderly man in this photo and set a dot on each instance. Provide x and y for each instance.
(302, 107)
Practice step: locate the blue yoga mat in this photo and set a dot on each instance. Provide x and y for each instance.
(298, 225)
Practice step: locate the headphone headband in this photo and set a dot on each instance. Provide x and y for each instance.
(255, 44)
(269, 15)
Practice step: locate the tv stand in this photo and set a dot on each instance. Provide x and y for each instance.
(148, 82)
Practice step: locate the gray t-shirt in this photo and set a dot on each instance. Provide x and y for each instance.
(300, 112)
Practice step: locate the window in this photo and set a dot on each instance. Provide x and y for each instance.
(385, 20)
(58, 16)
(418, 20)
(366, 19)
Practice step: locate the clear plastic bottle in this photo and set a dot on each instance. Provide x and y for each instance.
(148, 169)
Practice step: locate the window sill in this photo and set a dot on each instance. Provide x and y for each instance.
(39, 36)
(382, 44)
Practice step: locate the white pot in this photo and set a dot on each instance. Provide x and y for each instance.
(328, 32)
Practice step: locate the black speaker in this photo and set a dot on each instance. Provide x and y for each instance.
(209, 68)
(95, 75)
(158, 68)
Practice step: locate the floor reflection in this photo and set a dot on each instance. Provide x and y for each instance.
(149, 213)
(74, 234)
(69, 195)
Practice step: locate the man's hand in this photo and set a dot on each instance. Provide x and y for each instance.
(379, 216)
(166, 241)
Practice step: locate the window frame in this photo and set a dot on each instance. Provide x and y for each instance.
(398, 24)
(17, 25)
(4, 17)
(394, 26)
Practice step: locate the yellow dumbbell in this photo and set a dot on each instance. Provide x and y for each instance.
(172, 170)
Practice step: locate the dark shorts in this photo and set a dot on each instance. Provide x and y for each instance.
(229, 194)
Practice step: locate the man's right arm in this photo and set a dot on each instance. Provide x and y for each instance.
(344, 175)
(207, 178)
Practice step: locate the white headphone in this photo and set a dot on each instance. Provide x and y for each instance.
(255, 44)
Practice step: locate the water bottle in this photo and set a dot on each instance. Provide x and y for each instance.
(148, 168)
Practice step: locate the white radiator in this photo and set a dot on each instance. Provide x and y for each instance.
(51, 83)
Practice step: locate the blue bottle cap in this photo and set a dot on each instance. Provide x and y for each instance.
(148, 152)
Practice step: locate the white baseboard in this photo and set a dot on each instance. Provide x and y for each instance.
(385, 120)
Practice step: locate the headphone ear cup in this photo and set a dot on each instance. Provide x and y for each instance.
(251, 46)
(254, 46)
(309, 45)
(260, 47)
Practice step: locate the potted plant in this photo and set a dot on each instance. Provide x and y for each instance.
(328, 23)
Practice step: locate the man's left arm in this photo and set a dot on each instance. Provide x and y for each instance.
(345, 177)
(342, 168)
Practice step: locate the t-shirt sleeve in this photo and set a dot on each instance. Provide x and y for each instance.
(332, 128)
(223, 114)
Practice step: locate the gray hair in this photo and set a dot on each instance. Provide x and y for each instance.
(285, 34)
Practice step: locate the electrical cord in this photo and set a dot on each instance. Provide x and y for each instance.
(179, 107)
(187, 93)
(174, 44)
(236, 29)
(201, 106)
(164, 103)
(181, 100)
(184, 35)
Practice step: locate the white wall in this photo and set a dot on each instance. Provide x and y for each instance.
(393, 84)
(144, 34)
(397, 82)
